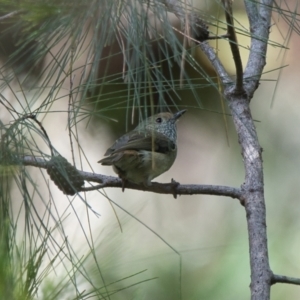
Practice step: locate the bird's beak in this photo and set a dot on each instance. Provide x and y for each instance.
(177, 115)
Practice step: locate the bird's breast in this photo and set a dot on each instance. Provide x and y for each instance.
(157, 163)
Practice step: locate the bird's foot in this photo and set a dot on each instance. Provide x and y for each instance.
(147, 183)
(123, 184)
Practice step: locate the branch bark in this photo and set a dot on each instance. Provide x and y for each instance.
(238, 102)
(284, 279)
(259, 16)
(234, 46)
(173, 188)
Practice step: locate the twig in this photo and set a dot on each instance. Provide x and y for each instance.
(33, 117)
(219, 68)
(215, 37)
(259, 17)
(284, 279)
(233, 42)
(161, 188)
(11, 14)
(71, 99)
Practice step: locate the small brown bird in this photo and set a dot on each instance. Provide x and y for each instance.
(145, 152)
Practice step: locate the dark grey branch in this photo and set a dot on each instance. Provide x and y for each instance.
(176, 8)
(284, 279)
(252, 11)
(172, 188)
(259, 16)
(219, 68)
(196, 28)
(233, 42)
(253, 188)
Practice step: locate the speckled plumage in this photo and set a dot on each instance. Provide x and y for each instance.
(147, 151)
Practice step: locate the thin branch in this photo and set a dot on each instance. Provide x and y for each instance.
(196, 41)
(233, 42)
(219, 68)
(11, 14)
(252, 11)
(259, 18)
(176, 8)
(71, 105)
(194, 26)
(173, 188)
(284, 279)
(252, 188)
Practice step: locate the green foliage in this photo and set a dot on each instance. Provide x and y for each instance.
(108, 60)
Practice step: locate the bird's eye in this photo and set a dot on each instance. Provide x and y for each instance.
(158, 120)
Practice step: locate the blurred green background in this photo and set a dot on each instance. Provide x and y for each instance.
(196, 246)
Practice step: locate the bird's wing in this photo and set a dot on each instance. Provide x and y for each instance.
(123, 140)
(131, 158)
(157, 143)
